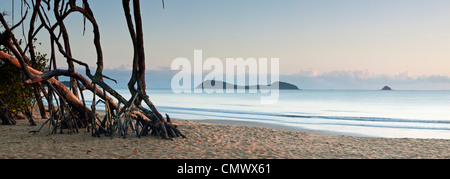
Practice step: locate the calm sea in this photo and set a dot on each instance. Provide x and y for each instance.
(390, 114)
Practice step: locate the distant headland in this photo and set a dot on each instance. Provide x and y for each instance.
(211, 84)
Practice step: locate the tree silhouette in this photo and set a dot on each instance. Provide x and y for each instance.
(123, 117)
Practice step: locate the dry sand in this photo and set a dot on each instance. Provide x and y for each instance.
(212, 141)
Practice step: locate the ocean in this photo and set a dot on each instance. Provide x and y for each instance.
(387, 114)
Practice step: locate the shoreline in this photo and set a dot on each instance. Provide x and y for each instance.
(214, 141)
(279, 127)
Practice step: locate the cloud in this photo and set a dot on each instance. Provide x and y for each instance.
(126, 67)
(309, 79)
(160, 78)
(365, 79)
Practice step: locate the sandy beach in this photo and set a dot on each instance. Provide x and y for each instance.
(212, 141)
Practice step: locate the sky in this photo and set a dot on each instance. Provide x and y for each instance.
(370, 39)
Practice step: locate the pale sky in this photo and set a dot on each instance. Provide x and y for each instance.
(386, 37)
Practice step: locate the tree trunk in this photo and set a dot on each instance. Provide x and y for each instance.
(5, 119)
(39, 101)
(159, 125)
(117, 117)
(61, 88)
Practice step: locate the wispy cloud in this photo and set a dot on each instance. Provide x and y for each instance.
(126, 67)
(310, 79)
(365, 79)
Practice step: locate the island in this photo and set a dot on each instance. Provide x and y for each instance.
(386, 88)
(211, 84)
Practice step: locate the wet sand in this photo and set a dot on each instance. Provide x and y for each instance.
(212, 141)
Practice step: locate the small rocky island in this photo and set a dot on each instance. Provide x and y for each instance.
(386, 88)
